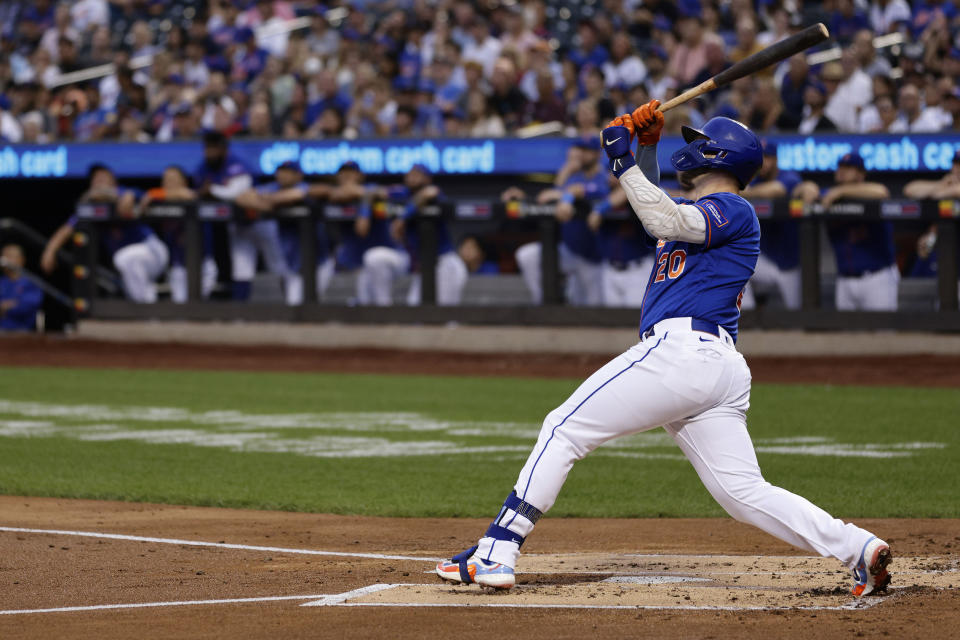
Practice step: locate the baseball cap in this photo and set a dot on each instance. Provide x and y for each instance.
(590, 143)
(662, 23)
(852, 159)
(349, 165)
(174, 78)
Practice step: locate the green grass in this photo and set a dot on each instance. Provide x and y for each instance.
(42, 453)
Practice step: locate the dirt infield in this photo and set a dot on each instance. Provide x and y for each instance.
(279, 563)
(925, 371)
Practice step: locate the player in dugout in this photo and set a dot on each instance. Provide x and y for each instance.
(289, 188)
(778, 267)
(867, 273)
(20, 299)
(223, 176)
(175, 187)
(137, 253)
(581, 179)
(383, 264)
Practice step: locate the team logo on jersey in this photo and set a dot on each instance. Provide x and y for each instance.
(712, 209)
(661, 244)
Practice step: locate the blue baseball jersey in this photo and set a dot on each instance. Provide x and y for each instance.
(290, 229)
(28, 298)
(706, 281)
(862, 246)
(402, 194)
(575, 234)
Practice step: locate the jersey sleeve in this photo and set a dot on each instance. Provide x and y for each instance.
(728, 218)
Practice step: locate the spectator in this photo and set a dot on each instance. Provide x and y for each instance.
(20, 298)
(658, 82)
(589, 51)
(866, 56)
(624, 67)
(548, 107)
(887, 15)
(481, 120)
(867, 273)
(481, 47)
(690, 56)
(850, 89)
(506, 99)
(62, 28)
(914, 117)
(878, 117)
(258, 121)
(136, 252)
(846, 20)
(747, 43)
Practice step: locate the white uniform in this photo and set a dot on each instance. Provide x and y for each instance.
(624, 287)
(382, 265)
(263, 237)
(140, 265)
(769, 277)
(584, 279)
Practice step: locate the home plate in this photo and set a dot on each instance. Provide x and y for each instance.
(621, 581)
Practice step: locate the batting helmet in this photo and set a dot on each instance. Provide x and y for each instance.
(722, 144)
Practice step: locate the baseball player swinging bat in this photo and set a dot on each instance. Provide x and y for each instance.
(685, 374)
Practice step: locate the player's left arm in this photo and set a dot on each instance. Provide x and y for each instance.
(290, 195)
(660, 215)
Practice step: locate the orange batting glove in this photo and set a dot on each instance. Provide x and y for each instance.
(648, 123)
(626, 120)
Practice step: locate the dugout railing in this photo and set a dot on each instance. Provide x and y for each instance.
(536, 218)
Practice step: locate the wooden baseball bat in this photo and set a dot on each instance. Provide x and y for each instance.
(776, 52)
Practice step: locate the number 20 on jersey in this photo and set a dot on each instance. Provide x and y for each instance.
(670, 265)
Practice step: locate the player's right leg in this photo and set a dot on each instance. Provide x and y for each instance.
(382, 265)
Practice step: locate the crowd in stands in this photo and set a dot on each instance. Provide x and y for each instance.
(305, 69)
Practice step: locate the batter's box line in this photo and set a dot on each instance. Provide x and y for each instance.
(343, 600)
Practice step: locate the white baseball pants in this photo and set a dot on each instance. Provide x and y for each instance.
(874, 291)
(263, 236)
(381, 265)
(177, 276)
(140, 265)
(451, 277)
(626, 288)
(697, 386)
(294, 282)
(584, 278)
(769, 277)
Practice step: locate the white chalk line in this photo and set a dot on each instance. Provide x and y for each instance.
(217, 545)
(336, 601)
(145, 605)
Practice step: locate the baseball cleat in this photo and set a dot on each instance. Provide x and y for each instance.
(871, 573)
(466, 568)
